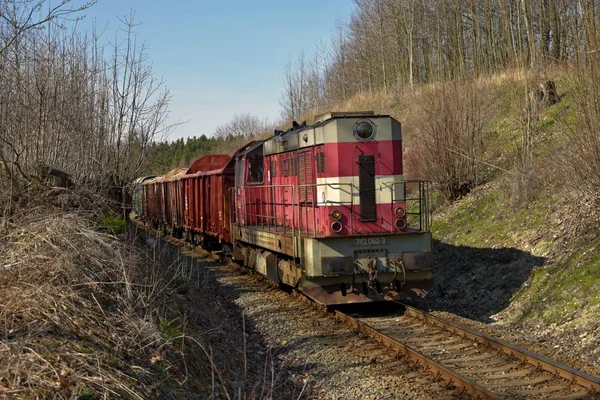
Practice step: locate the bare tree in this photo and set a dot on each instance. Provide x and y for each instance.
(65, 105)
(242, 126)
(138, 106)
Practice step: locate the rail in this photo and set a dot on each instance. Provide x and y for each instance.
(590, 384)
(536, 360)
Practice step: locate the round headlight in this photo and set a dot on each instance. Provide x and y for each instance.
(336, 215)
(400, 224)
(336, 226)
(364, 130)
(400, 212)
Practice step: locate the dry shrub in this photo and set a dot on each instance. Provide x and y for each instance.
(581, 156)
(448, 145)
(78, 309)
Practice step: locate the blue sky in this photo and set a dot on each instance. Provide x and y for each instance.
(223, 57)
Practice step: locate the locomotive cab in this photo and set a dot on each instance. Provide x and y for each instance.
(325, 208)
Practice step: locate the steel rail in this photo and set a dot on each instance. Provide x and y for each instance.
(537, 360)
(452, 377)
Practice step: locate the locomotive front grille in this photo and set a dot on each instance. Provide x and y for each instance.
(366, 187)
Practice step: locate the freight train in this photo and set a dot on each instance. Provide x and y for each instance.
(323, 208)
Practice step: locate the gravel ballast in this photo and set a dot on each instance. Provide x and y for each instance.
(295, 350)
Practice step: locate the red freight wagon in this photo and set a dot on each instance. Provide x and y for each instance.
(173, 188)
(162, 201)
(153, 201)
(205, 189)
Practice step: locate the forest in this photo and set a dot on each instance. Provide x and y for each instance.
(441, 53)
(94, 108)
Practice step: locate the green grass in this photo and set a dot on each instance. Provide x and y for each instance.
(170, 329)
(489, 218)
(114, 222)
(563, 291)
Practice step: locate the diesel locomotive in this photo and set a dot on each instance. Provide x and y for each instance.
(323, 208)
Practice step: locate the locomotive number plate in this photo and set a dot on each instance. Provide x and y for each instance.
(370, 241)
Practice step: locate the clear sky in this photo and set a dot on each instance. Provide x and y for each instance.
(223, 57)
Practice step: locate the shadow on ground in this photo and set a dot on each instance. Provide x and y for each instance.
(477, 283)
(206, 311)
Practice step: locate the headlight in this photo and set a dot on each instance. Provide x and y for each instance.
(400, 224)
(336, 226)
(400, 212)
(336, 215)
(364, 130)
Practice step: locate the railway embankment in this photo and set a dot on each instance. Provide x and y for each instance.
(528, 272)
(90, 310)
(82, 306)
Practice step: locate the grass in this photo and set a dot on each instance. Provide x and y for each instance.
(181, 284)
(79, 302)
(170, 329)
(489, 218)
(563, 292)
(114, 222)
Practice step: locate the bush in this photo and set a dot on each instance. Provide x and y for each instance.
(115, 223)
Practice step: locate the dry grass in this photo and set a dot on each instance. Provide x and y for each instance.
(78, 308)
(89, 315)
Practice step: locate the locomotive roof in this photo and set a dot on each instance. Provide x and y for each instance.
(251, 146)
(290, 137)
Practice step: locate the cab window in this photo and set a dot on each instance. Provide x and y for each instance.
(255, 168)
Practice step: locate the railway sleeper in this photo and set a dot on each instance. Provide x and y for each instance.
(506, 367)
(580, 395)
(510, 375)
(422, 340)
(545, 390)
(467, 358)
(533, 381)
(477, 364)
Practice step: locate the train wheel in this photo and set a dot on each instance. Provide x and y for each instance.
(378, 286)
(343, 288)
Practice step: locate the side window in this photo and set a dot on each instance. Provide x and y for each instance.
(256, 166)
(239, 172)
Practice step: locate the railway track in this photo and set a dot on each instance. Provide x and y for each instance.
(476, 363)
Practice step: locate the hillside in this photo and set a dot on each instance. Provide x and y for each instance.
(520, 250)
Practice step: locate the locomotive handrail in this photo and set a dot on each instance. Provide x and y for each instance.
(247, 200)
(423, 200)
(316, 203)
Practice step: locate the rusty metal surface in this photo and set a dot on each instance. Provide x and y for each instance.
(534, 359)
(456, 379)
(209, 162)
(205, 203)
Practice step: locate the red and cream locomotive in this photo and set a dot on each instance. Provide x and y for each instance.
(323, 208)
